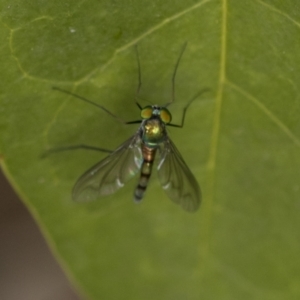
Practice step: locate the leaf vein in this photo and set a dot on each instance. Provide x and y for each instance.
(267, 112)
(270, 7)
(211, 163)
(142, 36)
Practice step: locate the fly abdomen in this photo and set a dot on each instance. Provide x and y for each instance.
(146, 170)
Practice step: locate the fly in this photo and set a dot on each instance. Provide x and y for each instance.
(137, 154)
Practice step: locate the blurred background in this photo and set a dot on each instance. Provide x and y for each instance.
(28, 269)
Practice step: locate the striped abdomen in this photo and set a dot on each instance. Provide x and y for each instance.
(146, 169)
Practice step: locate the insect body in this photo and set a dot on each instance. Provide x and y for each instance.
(152, 134)
(137, 154)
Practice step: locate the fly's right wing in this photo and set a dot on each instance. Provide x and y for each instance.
(176, 178)
(110, 174)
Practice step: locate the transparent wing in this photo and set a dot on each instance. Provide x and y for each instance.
(110, 174)
(176, 178)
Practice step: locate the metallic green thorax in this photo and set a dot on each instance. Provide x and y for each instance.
(154, 132)
(154, 123)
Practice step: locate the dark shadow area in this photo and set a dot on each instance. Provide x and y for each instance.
(28, 269)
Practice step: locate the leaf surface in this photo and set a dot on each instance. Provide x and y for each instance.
(241, 140)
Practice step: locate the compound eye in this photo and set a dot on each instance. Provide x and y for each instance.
(165, 115)
(146, 112)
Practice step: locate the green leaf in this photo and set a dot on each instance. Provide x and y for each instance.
(241, 140)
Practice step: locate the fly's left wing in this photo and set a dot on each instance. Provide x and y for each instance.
(110, 174)
(176, 178)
